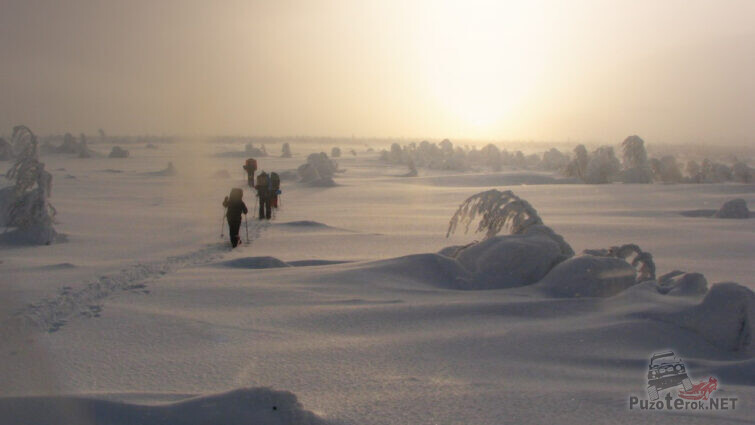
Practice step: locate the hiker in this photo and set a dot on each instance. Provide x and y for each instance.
(234, 208)
(264, 192)
(250, 166)
(275, 188)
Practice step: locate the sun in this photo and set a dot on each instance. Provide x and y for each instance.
(481, 59)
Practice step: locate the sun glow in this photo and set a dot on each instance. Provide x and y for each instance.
(482, 59)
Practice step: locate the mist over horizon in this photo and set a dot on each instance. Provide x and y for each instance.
(674, 73)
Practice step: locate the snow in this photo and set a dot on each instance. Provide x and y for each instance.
(735, 208)
(340, 310)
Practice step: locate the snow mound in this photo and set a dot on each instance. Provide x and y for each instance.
(169, 170)
(735, 208)
(118, 152)
(431, 269)
(510, 260)
(725, 317)
(255, 263)
(305, 225)
(309, 263)
(682, 284)
(243, 406)
(588, 276)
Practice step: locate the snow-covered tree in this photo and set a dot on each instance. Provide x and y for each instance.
(496, 210)
(577, 167)
(318, 170)
(636, 166)
(741, 172)
(666, 169)
(27, 205)
(602, 167)
(286, 151)
(335, 152)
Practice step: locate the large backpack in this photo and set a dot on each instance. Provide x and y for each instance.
(263, 180)
(236, 194)
(275, 181)
(251, 165)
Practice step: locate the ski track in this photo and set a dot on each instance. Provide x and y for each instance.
(51, 314)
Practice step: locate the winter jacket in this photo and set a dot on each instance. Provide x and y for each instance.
(235, 209)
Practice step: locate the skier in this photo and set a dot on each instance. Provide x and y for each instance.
(234, 208)
(264, 192)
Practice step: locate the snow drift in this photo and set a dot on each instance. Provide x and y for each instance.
(242, 406)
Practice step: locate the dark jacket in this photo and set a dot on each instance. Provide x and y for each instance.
(235, 209)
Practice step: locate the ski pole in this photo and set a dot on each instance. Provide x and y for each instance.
(246, 225)
(222, 223)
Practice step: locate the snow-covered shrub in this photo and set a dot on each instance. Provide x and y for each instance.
(118, 152)
(714, 172)
(734, 208)
(603, 166)
(642, 261)
(497, 210)
(318, 170)
(635, 158)
(577, 167)
(26, 205)
(554, 160)
(741, 172)
(250, 150)
(82, 148)
(666, 169)
(335, 152)
(286, 150)
(682, 284)
(588, 276)
(694, 172)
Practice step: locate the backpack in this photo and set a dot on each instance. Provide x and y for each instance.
(236, 194)
(262, 180)
(275, 181)
(251, 165)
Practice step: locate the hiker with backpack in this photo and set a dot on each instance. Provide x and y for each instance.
(251, 167)
(264, 192)
(275, 188)
(234, 208)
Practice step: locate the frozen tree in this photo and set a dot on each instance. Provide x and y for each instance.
(335, 152)
(491, 156)
(577, 167)
(496, 210)
(636, 167)
(666, 169)
(694, 172)
(102, 134)
(286, 151)
(27, 205)
(740, 172)
(412, 169)
(554, 160)
(250, 150)
(602, 167)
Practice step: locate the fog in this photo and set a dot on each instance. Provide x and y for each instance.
(673, 71)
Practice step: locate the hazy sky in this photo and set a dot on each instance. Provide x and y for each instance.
(599, 70)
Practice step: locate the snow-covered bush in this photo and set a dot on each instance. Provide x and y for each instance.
(666, 169)
(682, 284)
(286, 151)
(118, 152)
(554, 160)
(335, 152)
(741, 172)
(26, 204)
(496, 210)
(250, 150)
(734, 208)
(603, 166)
(318, 170)
(641, 260)
(577, 167)
(588, 276)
